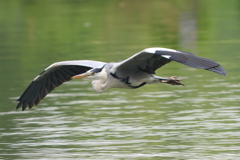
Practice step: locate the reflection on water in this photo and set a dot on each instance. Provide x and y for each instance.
(197, 121)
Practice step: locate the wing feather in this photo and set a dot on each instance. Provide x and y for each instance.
(151, 59)
(52, 77)
(191, 60)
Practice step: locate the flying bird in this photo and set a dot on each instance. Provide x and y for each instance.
(131, 73)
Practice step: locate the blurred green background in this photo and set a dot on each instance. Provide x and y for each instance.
(199, 121)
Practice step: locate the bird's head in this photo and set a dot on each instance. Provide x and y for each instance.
(92, 73)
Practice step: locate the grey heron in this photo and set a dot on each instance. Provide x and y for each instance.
(134, 72)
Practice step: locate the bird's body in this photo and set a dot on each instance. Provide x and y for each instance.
(131, 73)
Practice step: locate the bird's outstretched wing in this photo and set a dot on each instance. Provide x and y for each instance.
(150, 59)
(52, 77)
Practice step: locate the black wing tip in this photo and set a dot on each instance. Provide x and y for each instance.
(224, 73)
(218, 69)
(19, 104)
(23, 108)
(23, 105)
(221, 72)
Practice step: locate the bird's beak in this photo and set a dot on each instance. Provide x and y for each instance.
(83, 75)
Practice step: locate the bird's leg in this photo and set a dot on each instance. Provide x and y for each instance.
(172, 80)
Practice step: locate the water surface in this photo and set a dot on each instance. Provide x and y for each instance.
(198, 121)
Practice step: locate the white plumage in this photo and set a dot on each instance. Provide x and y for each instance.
(134, 72)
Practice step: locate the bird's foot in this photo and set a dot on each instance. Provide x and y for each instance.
(173, 81)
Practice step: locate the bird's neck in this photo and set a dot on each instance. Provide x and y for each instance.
(99, 84)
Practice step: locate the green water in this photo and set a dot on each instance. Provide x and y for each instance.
(198, 121)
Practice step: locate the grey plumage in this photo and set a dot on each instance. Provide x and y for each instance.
(133, 72)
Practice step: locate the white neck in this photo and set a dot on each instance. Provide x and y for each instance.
(99, 83)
